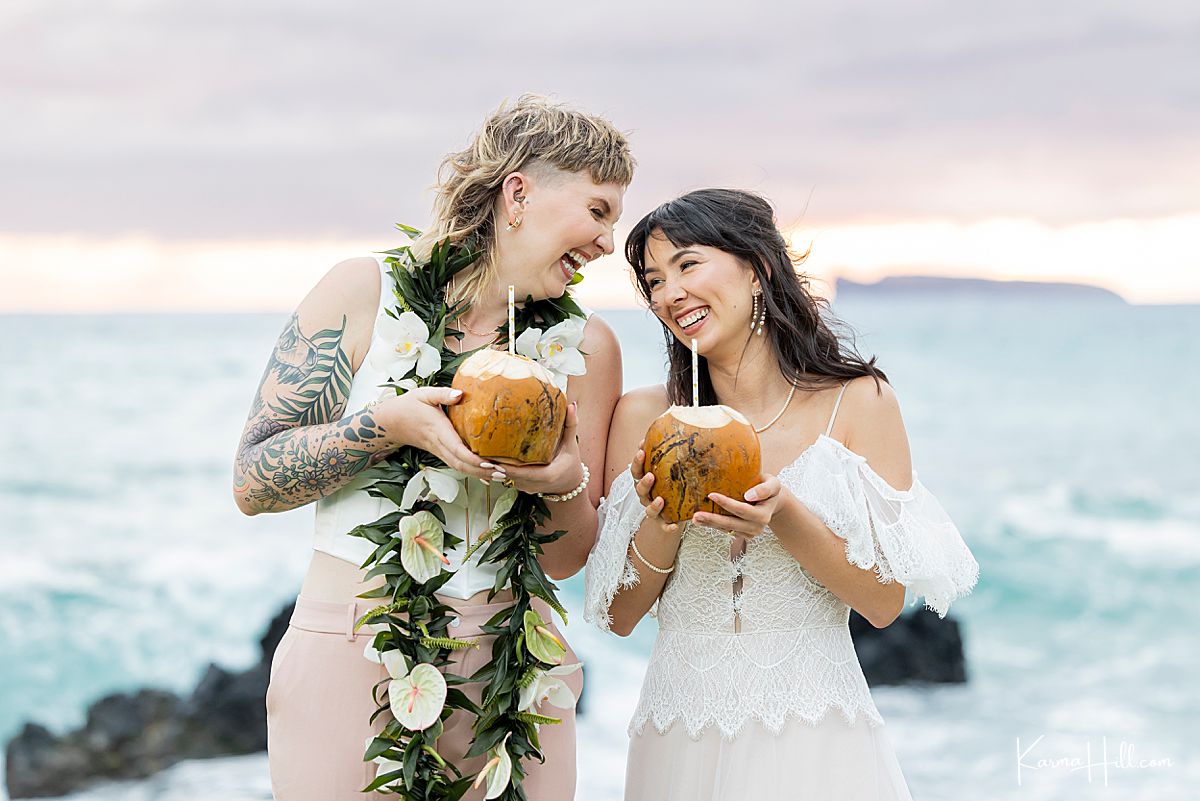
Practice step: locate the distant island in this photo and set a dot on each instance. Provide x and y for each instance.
(930, 285)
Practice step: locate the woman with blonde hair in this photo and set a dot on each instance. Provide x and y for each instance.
(753, 689)
(536, 194)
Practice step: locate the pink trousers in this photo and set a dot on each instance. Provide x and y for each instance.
(319, 704)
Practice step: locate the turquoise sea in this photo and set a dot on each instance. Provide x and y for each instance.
(1061, 437)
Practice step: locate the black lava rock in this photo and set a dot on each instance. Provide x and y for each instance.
(131, 736)
(918, 648)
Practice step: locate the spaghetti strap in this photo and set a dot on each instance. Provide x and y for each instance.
(387, 297)
(836, 404)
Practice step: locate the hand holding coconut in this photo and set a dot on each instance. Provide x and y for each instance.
(711, 462)
(749, 517)
(644, 487)
(416, 418)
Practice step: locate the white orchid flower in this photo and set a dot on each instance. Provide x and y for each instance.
(393, 660)
(549, 687)
(443, 483)
(540, 640)
(421, 539)
(417, 699)
(497, 772)
(406, 384)
(408, 337)
(557, 349)
(385, 764)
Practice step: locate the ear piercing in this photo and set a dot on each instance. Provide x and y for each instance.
(515, 224)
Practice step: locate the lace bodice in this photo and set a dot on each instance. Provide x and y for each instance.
(777, 646)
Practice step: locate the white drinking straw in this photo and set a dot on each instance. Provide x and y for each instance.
(512, 321)
(695, 375)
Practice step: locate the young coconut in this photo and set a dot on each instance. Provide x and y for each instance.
(511, 411)
(695, 450)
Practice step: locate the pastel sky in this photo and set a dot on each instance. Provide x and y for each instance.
(163, 155)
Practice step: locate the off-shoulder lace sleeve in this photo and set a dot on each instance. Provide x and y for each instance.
(609, 568)
(903, 535)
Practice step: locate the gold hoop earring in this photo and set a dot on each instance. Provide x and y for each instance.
(514, 225)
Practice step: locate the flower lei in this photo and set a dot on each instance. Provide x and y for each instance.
(412, 639)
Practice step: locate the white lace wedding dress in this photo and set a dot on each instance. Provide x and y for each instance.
(757, 693)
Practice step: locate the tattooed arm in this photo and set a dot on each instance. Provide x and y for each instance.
(295, 448)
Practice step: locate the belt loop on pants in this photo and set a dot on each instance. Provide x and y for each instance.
(351, 608)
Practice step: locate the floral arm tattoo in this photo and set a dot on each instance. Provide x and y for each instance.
(294, 448)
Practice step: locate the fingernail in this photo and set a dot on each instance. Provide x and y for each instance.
(486, 483)
(456, 393)
(498, 476)
(487, 466)
(750, 496)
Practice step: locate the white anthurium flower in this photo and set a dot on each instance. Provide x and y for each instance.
(417, 699)
(550, 687)
(443, 483)
(408, 338)
(497, 772)
(556, 349)
(421, 539)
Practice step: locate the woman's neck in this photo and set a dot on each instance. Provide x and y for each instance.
(491, 310)
(750, 381)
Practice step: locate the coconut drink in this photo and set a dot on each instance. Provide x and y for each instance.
(511, 411)
(695, 450)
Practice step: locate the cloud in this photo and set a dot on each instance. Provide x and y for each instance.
(271, 120)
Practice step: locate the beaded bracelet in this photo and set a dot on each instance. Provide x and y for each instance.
(568, 496)
(646, 562)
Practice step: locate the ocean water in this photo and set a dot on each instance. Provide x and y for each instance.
(1061, 437)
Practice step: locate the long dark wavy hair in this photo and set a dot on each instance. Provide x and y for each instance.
(814, 348)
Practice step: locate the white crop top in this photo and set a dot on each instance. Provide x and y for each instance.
(341, 511)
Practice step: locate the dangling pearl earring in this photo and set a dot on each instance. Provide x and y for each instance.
(758, 316)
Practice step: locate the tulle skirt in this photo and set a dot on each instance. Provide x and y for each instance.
(829, 761)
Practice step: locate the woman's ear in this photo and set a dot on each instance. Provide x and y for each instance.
(513, 194)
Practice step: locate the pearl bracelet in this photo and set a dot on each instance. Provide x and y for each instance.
(646, 562)
(568, 496)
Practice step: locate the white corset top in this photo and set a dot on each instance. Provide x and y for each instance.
(350, 506)
(779, 647)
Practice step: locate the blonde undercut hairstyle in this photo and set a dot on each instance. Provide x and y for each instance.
(530, 135)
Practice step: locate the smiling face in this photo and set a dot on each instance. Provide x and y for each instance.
(566, 221)
(701, 293)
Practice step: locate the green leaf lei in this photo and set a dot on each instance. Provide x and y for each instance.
(415, 622)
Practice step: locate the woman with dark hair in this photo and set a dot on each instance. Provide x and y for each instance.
(754, 689)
